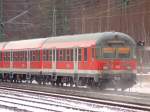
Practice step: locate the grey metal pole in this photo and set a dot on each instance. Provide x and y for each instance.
(1, 19)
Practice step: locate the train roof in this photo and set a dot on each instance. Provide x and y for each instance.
(80, 40)
(84, 40)
(25, 44)
(2, 45)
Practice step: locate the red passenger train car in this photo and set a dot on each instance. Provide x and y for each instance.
(95, 59)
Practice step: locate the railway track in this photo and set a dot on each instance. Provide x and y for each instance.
(52, 103)
(45, 104)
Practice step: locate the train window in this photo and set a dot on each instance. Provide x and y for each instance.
(64, 55)
(45, 55)
(11, 56)
(38, 55)
(54, 56)
(76, 54)
(93, 53)
(109, 52)
(71, 54)
(50, 55)
(6, 56)
(57, 55)
(85, 54)
(25, 54)
(0, 56)
(68, 55)
(79, 54)
(123, 52)
(20, 55)
(31, 59)
(60, 55)
(33, 55)
(15, 56)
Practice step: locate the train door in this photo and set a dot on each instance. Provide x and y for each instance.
(75, 58)
(11, 60)
(54, 60)
(28, 60)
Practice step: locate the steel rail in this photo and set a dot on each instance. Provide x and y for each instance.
(87, 99)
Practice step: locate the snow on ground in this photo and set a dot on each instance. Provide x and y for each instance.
(5, 110)
(58, 104)
(143, 85)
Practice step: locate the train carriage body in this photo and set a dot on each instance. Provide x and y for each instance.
(95, 57)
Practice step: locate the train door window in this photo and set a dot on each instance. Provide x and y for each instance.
(47, 55)
(38, 55)
(75, 54)
(44, 55)
(21, 56)
(33, 55)
(31, 58)
(85, 54)
(57, 55)
(11, 56)
(8, 56)
(79, 54)
(98, 53)
(93, 53)
(71, 54)
(4, 56)
(50, 55)
(64, 54)
(25, 55)
(28, 55)
(0, 56)
(54, 55)
(13, 53)
(60, 55)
